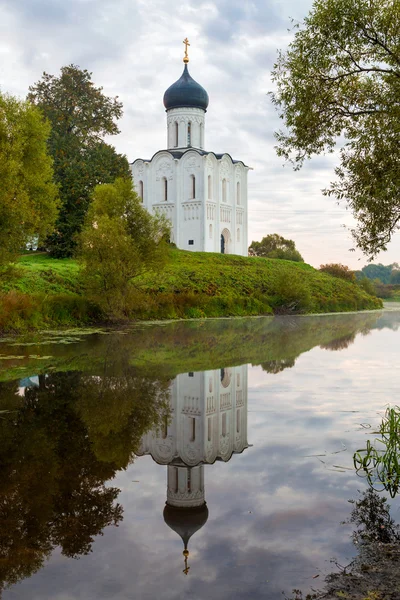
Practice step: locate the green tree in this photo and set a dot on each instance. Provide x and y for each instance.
(395, 277)
(276, 246)
(80, 115)
(379, 271)
(339, 82)
(28, 196)
(120, 241)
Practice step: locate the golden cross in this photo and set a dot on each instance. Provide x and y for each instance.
(186, 58)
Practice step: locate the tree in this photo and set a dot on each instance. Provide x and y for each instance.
(28, 196)
(119, 242)
(340, 81)
(80, 115)
(275, 246)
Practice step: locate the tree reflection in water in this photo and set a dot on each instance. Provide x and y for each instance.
(59, 443)
(373, 574)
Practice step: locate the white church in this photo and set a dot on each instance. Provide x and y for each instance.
(203, 194)
(207, 423)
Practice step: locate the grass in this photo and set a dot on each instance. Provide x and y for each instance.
(40, 291)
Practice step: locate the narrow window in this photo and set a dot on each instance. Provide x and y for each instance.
(176, 133)
(224, 424)
(201, 135)
(189, 481)
(164, 430)
(193, 187)
(238, 235)
(209, 429)
(211, 232)
(189, 134)
(176, 480)
(209, 187)
(222, 374)
(238, 192)
(238, 421)
(165, 189)
(238, 379)
(191, 242)
(224, 190)
(193, 429)
(191, 374)
(210, 385)
(141, 190)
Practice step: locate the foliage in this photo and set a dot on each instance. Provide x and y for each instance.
(395, 277)
(80, 115)
(368, 286)
(340, 80)
(381, 272)
(58, 450)
(338, 270)
(380, 462)
(119, 242)
(275, 246)
(190, 285)
(28, 196)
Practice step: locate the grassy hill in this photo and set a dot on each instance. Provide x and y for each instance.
(44, 292)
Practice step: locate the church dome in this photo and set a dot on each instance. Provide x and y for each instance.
(185, 521)
(186, 92)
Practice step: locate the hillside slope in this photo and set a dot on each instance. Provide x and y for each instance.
(46, 292)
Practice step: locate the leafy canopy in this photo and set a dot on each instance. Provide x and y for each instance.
(120, 241)
(80, 115)
(275, 246)
(28, 196)
(339, 82)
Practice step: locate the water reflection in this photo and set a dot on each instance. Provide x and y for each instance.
(208, 422)
(373, 574)
(62, 437)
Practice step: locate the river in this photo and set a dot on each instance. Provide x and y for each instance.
(208, 459)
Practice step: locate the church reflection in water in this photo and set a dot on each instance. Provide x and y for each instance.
(207, 422)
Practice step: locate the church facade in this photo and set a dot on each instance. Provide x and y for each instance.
(201, 193)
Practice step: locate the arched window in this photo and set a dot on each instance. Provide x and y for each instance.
(165, 188)
(211, 234)
(238, 420)
(209, 187)
(224, 190)
(210, 385)
(141, 190)
(209, 429)
(238, 379)
(189, 134)
(238, 192)
(176, 133)
(238, 235)
(193, 186)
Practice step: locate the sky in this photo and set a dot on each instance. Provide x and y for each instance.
(134, 50)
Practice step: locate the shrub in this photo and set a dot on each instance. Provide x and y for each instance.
(338, 270)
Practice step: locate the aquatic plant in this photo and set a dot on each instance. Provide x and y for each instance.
(379, 462)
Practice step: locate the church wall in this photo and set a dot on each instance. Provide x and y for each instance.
(191, 217)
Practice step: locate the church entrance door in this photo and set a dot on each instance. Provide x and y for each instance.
(222, 244)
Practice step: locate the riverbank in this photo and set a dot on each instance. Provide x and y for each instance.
(41, 292)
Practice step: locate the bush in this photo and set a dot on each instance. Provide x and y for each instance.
(338, 270)
(291, 295)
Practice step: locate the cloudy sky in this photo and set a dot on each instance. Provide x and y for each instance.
(134, 50)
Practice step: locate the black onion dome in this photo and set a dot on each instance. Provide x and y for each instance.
(185, 521)
(186, 92)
